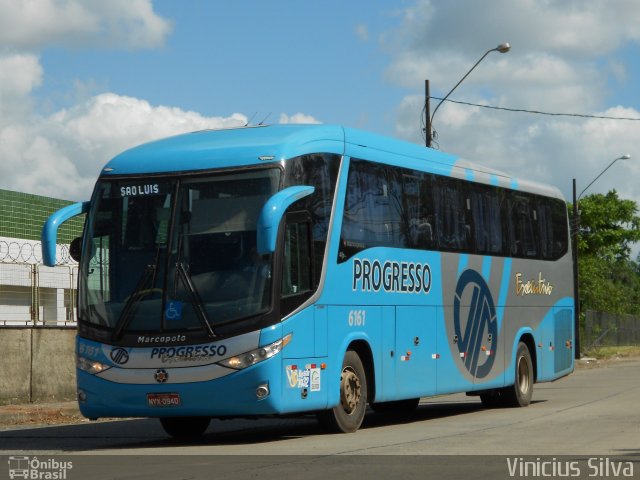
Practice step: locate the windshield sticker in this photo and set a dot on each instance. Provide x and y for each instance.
(140, 190)
(533, 286)
(173, 311)
(391, 276)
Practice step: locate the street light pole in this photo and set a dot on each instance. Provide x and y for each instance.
(502, 48)
(576, 237)
(427, 108)
(576, 284)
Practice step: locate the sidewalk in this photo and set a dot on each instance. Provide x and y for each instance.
(40, 414)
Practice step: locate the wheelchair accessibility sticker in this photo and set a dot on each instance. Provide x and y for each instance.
(173, 310)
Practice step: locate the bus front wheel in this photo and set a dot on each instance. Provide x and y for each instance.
(348, 415)
(185, 427)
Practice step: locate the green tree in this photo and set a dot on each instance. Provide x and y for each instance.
(608, 226)
(609, 279)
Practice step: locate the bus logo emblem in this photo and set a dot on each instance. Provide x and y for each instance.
(161, 375)
(119, 355)
(478, 343)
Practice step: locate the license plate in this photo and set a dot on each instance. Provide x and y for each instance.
(163, 399)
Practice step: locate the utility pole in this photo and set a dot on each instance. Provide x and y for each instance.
(427, 114)
(575, 228)
(502, 48)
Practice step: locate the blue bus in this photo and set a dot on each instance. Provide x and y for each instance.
(284, 269)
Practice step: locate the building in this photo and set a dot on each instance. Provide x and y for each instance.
(30, 293)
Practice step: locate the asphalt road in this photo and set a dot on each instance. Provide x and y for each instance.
(595, 412)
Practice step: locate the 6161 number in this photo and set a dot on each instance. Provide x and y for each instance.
(357, 318)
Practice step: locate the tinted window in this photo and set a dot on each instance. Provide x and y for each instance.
(453, 216)
(487, 219)
(396, 207)
(321, 172)
(373, 210)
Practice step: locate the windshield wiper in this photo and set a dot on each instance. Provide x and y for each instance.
(196, 300)
(136, 295)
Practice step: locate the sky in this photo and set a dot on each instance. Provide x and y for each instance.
(82, 80)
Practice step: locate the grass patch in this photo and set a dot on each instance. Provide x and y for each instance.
(613, 352)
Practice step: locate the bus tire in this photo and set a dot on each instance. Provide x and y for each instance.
(519, 394)
(348, 415)
(185, 427)
(397, 406)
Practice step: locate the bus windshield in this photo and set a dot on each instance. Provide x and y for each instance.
(176, 254)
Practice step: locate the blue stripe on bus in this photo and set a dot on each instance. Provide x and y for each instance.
(462, 263)
(504, 291)
(468, 174)
(486, 268)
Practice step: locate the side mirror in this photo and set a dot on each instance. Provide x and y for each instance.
(75, 249)
(50, 229)
(272, 213)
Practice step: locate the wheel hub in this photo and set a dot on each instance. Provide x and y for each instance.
(523, 375)
(349, 390)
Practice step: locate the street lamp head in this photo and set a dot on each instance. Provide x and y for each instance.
(626, 156)
(502, 48)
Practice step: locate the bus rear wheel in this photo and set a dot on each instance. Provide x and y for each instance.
(519, 394)
(185, 427)
(348, 415)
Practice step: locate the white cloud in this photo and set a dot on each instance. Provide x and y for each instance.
(34, 24)
(19, 75)
(297, 118)
(577, 28)
(564, 56)
(362, 32)
(61, 155)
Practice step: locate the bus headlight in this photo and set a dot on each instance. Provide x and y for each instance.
(258, 355)
(90, 366)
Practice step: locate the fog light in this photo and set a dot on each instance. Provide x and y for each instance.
(82, 397)
(262, 391)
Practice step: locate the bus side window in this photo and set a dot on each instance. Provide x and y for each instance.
(524, 235)
(452, 224)
(297, 282)
(487, 222)
(296, 269)
(374, 211)
(418, 210)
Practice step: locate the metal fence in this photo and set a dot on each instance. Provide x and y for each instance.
(35, 295)
(608, 329)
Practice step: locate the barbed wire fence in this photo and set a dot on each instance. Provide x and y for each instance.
(32, 294)
(609, 329)
(31, 252)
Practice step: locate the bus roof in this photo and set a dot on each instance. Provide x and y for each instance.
(254, 145)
